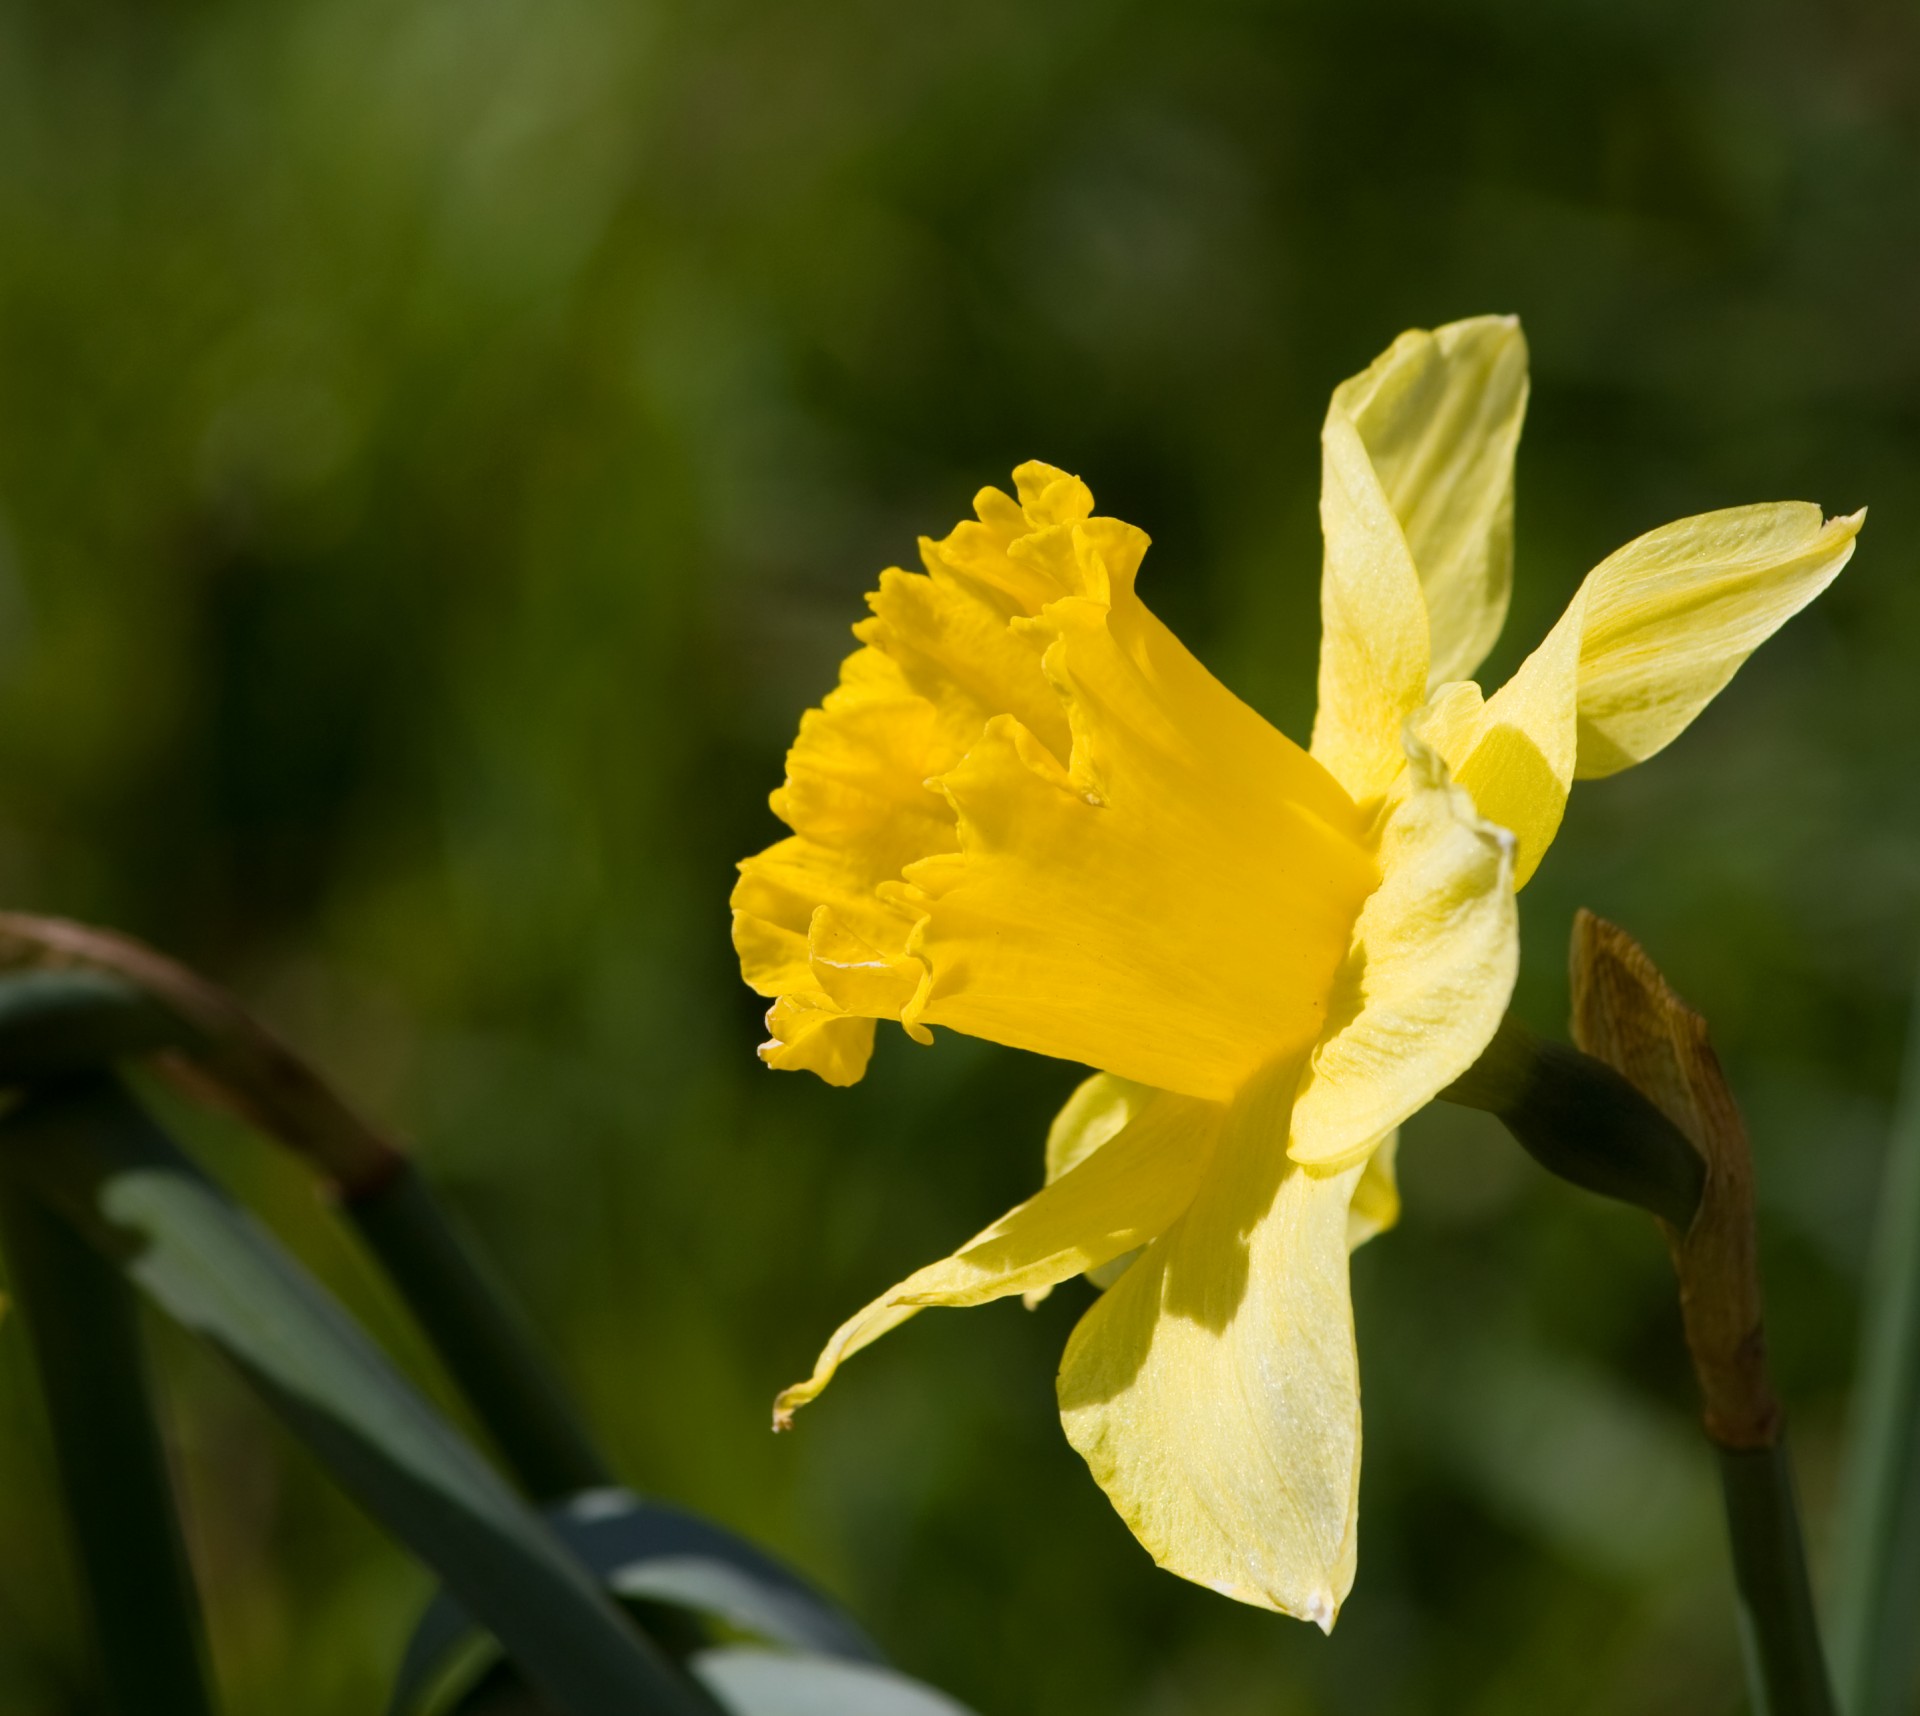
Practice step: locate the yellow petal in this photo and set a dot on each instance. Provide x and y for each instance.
(1671, 617)
(1098, 1110)
(1373, 621)
(1427, 979)
(1652, 635)
(1170, 906)
(817, 1039)
(857, 976)
(1417, 507)
(1214, 1390)
(1117, 1198)
(1376, 1199)
(1515, 754)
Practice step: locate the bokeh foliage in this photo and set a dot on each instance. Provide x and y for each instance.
(442, 444)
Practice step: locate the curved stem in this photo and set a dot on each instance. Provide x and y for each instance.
(481, 1337)
(1579, 1119)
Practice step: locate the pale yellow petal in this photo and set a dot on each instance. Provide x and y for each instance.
(1098, 1110)
(1427, 979)
(1214, 1390)
(1417, 510)
(1171, 904)
(1671, 617)
(1516, 753)
(1374, 652)
(1376, 1199)
(1652, 634)
(1117, 1198)
(1439, 414)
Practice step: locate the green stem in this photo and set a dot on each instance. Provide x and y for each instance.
(1779, 1635)
(481, 1337)
(1877, 1583)
(1581, 1120)
(81, 1320)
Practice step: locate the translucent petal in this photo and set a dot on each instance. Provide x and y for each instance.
(1439, 414)
(1417, 507)
(1119, 1197)
(1374, 652)
(1376, 1199)
(1652, 635)
(1671, 617)
(1099, 1108)
(1172, 905)
(1427, 979)
(1214, 1390)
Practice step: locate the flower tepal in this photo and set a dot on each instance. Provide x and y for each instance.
(1028, 813)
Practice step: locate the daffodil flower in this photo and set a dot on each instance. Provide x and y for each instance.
(1028, 813)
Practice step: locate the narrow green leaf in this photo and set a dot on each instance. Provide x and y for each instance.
(94, 1154)
(81, 1320)
(646, 1552)
(750, 1682)
(1877, 1581)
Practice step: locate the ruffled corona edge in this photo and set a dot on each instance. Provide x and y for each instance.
(1028, 813)
(823, 921)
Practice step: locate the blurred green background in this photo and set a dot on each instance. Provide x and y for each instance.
(442, 446)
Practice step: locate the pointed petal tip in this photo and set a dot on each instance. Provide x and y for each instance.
(1320, 1607)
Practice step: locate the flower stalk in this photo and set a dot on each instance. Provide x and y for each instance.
(1779, 1636)
(1642, 1112)
(1580, 1120)
(1626, 1015)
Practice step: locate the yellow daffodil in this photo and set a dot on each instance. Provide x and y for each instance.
(1027, 812)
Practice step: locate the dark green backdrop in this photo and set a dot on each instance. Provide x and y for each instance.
(442, 446)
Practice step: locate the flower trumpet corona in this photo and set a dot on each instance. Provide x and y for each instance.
(1028, 813)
